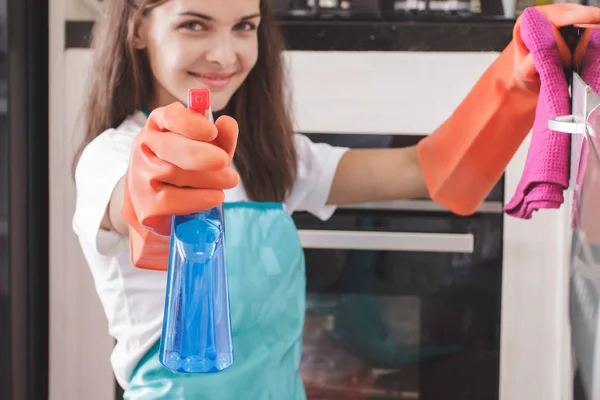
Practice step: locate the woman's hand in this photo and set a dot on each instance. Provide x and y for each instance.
(466, 156)
(180, 164)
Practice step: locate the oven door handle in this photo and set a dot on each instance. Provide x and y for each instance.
(387, 241)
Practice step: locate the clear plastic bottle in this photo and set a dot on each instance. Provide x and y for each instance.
(196, 332)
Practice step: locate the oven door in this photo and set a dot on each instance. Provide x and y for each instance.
(403, 298)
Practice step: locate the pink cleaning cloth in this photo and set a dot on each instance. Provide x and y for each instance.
(546, 172)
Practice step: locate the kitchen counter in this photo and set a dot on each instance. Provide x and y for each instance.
(432, 34)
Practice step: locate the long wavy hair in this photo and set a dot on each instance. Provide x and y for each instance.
(121, 84)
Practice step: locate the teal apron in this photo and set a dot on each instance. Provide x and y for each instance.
(267, 285)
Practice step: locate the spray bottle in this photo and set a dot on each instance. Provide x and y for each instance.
(196, 332)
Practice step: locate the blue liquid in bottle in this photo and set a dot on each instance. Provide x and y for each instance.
(196, 333)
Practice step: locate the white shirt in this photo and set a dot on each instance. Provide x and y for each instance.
(133, 298)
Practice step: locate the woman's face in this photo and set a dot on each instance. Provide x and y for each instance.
(209, 44)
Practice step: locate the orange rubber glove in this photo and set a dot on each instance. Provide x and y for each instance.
(180, 164)
(466, 156)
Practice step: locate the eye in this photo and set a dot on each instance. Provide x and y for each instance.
(245, 26)
(193, 26)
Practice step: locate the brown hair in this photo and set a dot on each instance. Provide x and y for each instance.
(121, 83)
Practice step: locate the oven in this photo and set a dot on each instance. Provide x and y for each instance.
(403, 297)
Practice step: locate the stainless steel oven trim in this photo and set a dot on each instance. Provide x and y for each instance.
(489, 207)
(387, 241)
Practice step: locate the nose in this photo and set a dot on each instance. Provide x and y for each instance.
(221, 50)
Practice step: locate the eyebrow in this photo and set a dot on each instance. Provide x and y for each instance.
(208, 18)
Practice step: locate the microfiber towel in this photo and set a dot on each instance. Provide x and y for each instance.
(546, 172)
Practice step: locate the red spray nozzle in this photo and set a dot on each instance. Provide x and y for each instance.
(199, 100)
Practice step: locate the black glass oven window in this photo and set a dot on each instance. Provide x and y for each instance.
(402, 324)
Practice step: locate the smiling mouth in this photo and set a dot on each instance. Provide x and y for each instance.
(213, 81)
(212, 77)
